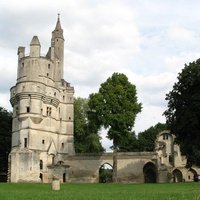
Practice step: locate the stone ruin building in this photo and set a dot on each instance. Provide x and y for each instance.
(42, 132)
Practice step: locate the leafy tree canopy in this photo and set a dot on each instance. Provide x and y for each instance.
(86, 140)
(146, 139)
(183, 113)
(5, 138)
(115, 107)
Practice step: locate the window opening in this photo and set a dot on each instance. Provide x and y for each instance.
(25, 142)
(41, 177)
(27, 109)
(53, 159)
(17, 110)
(41, 164)
(48, 111)
(165, 136)
(43, 141)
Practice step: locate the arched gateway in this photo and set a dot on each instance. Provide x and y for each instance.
(150, 173)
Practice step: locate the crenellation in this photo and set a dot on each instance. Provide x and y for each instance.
(21, 52)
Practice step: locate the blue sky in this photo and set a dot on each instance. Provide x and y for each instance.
(149, 41)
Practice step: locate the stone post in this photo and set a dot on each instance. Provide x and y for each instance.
(55, 185)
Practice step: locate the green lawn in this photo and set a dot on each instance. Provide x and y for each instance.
(182, 191)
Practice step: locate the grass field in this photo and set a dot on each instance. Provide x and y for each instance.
(181, 191)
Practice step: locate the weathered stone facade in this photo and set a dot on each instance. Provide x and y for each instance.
(42, 133)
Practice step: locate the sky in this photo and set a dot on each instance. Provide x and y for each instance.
(148, 41)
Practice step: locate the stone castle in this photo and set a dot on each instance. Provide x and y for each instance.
(42, 130)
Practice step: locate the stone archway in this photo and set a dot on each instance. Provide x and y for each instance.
(105, 173)
(150, 173)
(177, 176)
(192, 175)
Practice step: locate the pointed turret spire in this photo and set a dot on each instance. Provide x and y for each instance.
(58, 25)
(58, 32)
(57, 50)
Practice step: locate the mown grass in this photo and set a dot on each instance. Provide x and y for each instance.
(181, 191)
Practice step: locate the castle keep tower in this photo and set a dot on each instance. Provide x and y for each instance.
(42, 133)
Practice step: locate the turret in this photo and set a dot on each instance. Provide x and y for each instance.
(35, 47)
(21, 52)
(57, 47)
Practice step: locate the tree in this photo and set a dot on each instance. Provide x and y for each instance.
(5, 141)
(129, 143)
(183, 113)
(85, 139)
(115, 107)
(146, 139)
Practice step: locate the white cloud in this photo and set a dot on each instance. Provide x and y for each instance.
(175, 63)
(181, 34)
(149, 116)
(149, 41)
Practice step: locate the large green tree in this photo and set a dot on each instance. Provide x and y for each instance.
(183, 113)
(115, 107)
(5, 141)
(146, 139)
(86, 140)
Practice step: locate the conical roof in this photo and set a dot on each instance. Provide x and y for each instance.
(58, 31)
(35, 41)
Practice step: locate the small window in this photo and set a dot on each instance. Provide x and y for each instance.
(54, 94)
(47, 74)
(49, 66)
(22, 64)
(63, 98)
(41, 164)
(165, 136)
(69, 118)
(53, 159)
(62, 145)
(27, 109)
(43, 141)
(17, 110)
(25, 142)
(48, 111)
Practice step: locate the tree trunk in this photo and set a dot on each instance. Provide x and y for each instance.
(114, 177)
